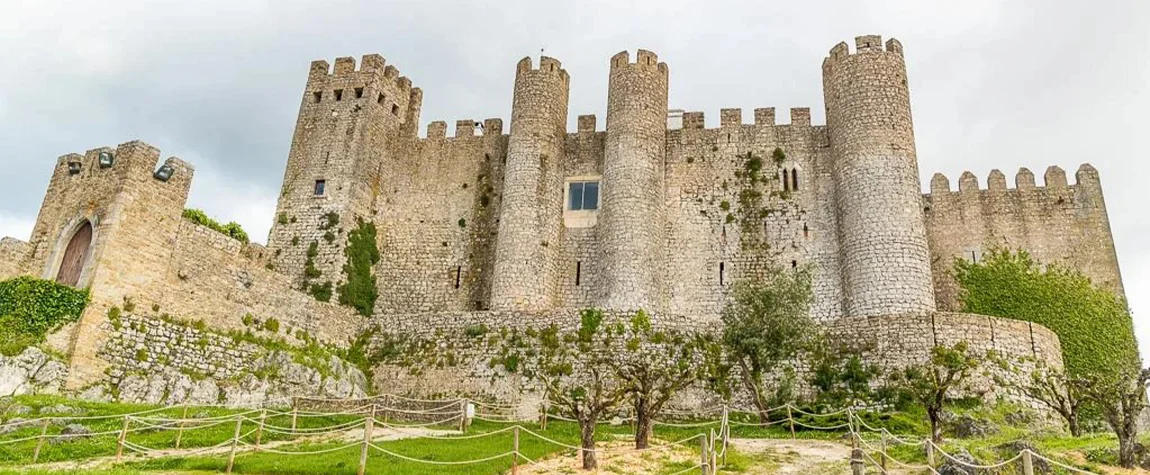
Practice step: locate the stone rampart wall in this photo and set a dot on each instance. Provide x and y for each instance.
(158, 360)
(469, 349)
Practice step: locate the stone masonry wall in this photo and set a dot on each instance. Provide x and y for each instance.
(889, 341)
(13, 252)
(438, 220)
(219, 280)
(1057, 224)
(885, 254)
(162, 361)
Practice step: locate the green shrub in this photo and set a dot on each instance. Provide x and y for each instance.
(321, 292)
(31, 308)
(272, 325)
(232, 229)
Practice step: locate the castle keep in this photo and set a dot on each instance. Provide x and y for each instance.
(526, 227)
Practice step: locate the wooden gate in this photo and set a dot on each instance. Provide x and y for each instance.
(74, 255)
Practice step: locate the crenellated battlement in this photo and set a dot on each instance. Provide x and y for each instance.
(372, 65)
(643, 60)
(866, 44)
(1053, 178)
(546, 65)
(733, 117)
(464, 128)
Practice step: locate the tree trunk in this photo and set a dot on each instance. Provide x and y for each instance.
(935, 425)
(1126, 449)
(587, 442)
(1072, 421)
(643, 424)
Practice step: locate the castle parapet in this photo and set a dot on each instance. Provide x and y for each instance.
(1054, 179)
(733, 117)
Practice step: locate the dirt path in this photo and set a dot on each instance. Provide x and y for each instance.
(795, 457)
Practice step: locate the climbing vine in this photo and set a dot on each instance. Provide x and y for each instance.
(31, 308)
(359, 290)
(1093, 324)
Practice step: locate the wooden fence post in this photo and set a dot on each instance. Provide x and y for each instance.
(463, 415)
(726, 433)
(368, 429)
(40, 441)
(120, 440)
(515, 451)
(858, 465)
(180, 431)
(260, 429)
(294, 413)
(792, 420)
(543, 416)
(703, 454)
(929, 453)
(714, 453)
(235, 443)
(1027, 463)
(882, 451)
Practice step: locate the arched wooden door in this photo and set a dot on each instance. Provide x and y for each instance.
(74, 255)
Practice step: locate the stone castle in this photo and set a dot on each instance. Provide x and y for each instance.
(657, 212)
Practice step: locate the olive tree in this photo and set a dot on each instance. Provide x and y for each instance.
(655, 366)
(1121, 398)
(930, 383)
(576, 372)
(767, 323)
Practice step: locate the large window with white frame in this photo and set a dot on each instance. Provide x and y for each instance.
(583, 195)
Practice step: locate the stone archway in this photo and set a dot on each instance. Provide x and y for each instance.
(75, 255)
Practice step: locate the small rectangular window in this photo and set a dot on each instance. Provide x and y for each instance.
(583, 196)
(319, 186)
(359, 93)
(380, 99)
(339, 94)
(395, 110)
(317, 96)
(578, 272)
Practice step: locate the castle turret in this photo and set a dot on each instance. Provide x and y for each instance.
(347, 118)
(526, 256)
(882, 234)
(631, 222)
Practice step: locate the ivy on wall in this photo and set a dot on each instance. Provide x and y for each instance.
(232, 229)
(359, 290)
(30, 308)
(1093, 324)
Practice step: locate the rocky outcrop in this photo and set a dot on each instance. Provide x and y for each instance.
(31, 372)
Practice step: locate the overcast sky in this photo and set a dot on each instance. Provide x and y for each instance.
(994, 84)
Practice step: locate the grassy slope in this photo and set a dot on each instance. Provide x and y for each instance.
(13, 456)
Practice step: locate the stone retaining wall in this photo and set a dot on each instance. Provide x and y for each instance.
(154, 360)
(460, 360)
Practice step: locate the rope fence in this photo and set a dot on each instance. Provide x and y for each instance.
(869, 444)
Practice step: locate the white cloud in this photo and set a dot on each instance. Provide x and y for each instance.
(994, 83)
(17, 226)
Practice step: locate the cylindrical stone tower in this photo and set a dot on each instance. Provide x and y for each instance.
(882, 232)
(631, 221)
(530, 220)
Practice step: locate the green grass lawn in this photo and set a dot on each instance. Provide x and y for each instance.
(416, 452)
